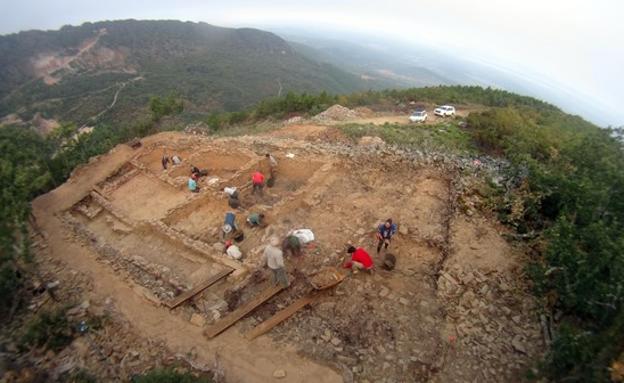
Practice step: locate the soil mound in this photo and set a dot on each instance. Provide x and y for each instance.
(335, 113)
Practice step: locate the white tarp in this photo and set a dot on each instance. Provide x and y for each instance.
(304, 235)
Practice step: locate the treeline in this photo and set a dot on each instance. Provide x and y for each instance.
(31, 164)
(575, 199)
(311, 104)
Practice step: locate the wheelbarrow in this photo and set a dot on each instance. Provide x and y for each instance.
(326, 277)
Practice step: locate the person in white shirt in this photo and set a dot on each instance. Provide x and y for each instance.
(233, 251)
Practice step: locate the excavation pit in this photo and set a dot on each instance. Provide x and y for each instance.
(217, 164)
(152, 160)
(146, 198)
(201, 218)
(163, 265)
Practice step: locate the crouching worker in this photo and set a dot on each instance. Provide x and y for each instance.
(360, 260)
(292, 245)
(199, 172)
(274, 259)
(192, 184)
(256, 220)
(233, 251)
(229, 228)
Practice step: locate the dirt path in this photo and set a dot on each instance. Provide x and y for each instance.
(121, 87)
(242, 361)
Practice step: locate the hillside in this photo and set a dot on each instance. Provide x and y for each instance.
(107, 70)
(383, 65)
(508, 247)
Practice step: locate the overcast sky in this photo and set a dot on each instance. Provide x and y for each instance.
(577, 44)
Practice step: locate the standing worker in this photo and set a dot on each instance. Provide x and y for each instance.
(274, 259)
(385, 231)
(272, 164)
(257, 180)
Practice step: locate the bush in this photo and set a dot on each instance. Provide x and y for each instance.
(161, 107)
(50, 330)
(574, 188)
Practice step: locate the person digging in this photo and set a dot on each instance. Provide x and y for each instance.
(360, 260)
(257, 181)
(256, 220)
(230, 229)
(192, 184)
(198, 172)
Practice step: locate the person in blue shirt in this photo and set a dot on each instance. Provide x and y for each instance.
(192, 184)
(229, 228)
(385, 231)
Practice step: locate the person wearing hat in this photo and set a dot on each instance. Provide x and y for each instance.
(233, 251)
(229, 225)
(274, 259)
(385, 231)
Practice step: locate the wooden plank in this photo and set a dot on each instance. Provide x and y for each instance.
(240, 312)
(280, 316)
(177, 301)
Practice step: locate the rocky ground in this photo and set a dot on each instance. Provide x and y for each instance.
(455, 308)
(105, 345)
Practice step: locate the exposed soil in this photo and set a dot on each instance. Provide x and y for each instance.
(455, 308)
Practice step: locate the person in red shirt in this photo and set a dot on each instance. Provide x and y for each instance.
(257, 180)
(360, 260)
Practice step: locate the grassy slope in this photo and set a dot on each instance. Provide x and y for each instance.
(211, 68)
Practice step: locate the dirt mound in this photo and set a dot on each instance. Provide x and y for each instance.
(363, 111)
(335, 113)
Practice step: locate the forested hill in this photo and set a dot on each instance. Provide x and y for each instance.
(77, 73)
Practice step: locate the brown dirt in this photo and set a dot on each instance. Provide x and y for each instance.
(145, 198)
(392, 325)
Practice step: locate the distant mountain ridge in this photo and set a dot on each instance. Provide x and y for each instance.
(107, 70)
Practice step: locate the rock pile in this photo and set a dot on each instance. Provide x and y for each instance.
(494, 320)
(335, 113)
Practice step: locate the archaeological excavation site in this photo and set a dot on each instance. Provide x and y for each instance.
(455, 307)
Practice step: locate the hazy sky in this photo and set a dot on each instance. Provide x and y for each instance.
(577, 44)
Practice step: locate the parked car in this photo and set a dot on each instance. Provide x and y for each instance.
(444, 111)
(419, 115)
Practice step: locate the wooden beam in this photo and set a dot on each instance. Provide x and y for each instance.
(240, 312)
(177, 301)
(280, 316)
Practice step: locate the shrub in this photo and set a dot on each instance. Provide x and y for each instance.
(50, 330)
